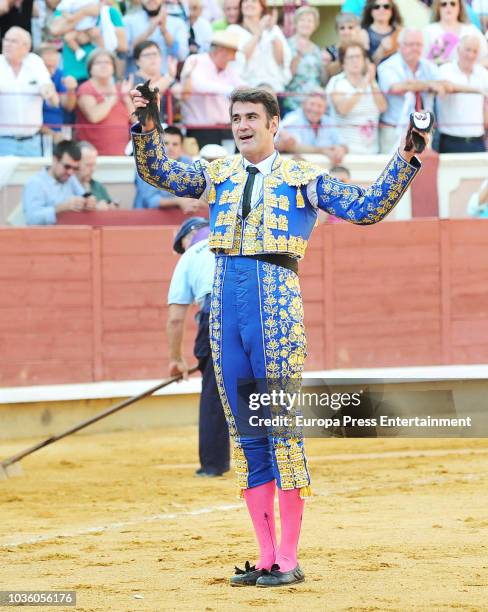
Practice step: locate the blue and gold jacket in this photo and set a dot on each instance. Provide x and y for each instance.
(283, 219)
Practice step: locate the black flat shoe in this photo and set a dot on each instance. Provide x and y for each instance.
(274, 577)
(247, 576)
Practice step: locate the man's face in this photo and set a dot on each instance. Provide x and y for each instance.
(15, 45)
(152, 5)
(314, 108)
(195, 9)
(51, 60)
(468, 51)
(252, 130)
(174, 145)
(222, 56)
(88, 164)
(411, 47)
(231, 11)
(64, 168)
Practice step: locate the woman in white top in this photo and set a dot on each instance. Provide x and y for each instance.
(450, 24)
(356, 100)
(264, 55)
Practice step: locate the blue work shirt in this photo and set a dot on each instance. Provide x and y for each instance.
(42, 193)
(297, 125)
(54, 115)
(193, 276)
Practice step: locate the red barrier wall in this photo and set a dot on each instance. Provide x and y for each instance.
(81, 304)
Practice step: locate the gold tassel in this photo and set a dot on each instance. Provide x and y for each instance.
(306, 492)
(300, 201)
(212, 196)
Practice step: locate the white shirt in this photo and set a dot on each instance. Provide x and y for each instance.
(461, 114)
(262, 67)
(20, 96)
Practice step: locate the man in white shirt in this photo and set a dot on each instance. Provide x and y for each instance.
(461, 114)
(24, 84)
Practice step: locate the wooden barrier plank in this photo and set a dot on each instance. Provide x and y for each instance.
(134, 319)
(44, 320)
(53, 294)
(145, 241)
(45, 372)
(33, 267)
(135, 268)
(69, 346)
(44, 240)
(148, 294)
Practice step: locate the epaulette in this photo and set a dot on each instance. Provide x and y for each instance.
(298, 172)
(220, 169)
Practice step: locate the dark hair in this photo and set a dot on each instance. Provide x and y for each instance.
(172, 129)
(367, 18)
(256, 96)
(342, 49)
(67, 146)
(263, 4)
(95, 54)
(145, 44)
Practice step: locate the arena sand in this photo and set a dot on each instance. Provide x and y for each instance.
(120, 518)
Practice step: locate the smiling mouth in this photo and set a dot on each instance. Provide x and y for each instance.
(245, 138)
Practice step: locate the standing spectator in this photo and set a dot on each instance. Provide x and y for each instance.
(357, 100)
(192, 282)
(200, 30)
(148, 196)
(461, 114)
(480, 7)
(147, 56)
(231, 15)
(309, 130)
(450, 24)
(14, 14)
(24, 84)
(478, 202)
(152, 22)
(408, 80)
(382, 21)
(87, 167)
(64, 23)
(264, 55)
(208, 79)
(104, 106)
(53, 116)
(56, 189)
(85, 30)
(306, 65)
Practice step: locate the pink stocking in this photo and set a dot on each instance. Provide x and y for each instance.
(291, 511)
(260, 503)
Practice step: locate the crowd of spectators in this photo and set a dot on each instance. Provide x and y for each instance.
(67, 67)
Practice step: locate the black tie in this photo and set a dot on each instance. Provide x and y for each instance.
(246, 198)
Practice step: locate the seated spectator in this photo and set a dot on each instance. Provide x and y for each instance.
(152, 22)
(309, 130)
(348, 28)
(409, 82)
(104, 106)
(53, 116)
(264, 55)
(207, 79)
(450, 24)
(461, 115)
(85, 31)
(65, 23)
(200, 30)
(306, 66)
(24, 84)
(382, 21)
(87, 166)
(56, 189)
(478, 202)
(147, 56)
(148, 196)
(231, 15)
(357, 100)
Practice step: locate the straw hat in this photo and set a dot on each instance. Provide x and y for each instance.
(224, 38)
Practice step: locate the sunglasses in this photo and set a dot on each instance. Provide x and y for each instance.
(376, 7)
(70, 167)
(444, 4)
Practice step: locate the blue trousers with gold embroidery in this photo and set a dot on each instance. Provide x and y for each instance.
(257, 332)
